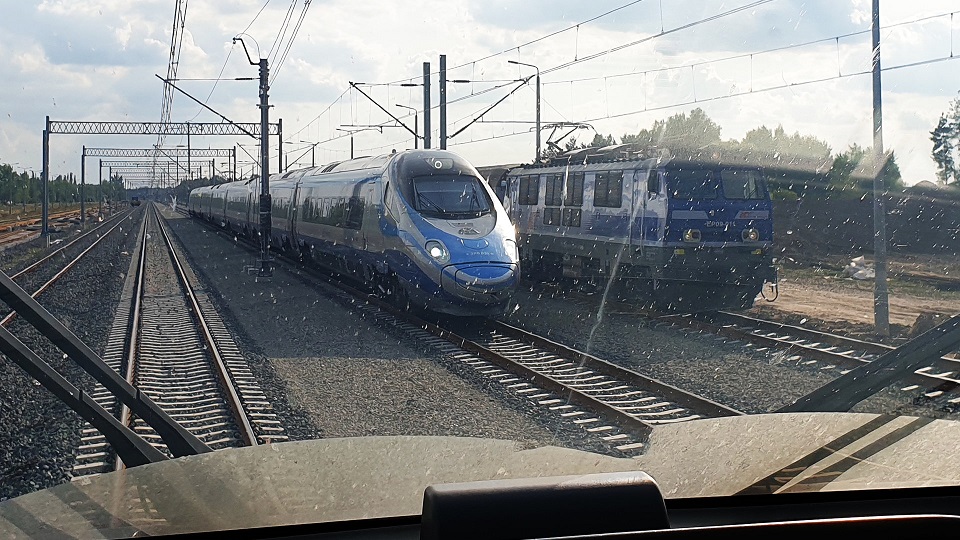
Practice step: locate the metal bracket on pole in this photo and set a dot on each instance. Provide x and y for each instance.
(844, 392)
(180, 441)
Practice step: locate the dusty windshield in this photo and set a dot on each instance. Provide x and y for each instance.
(391, 236)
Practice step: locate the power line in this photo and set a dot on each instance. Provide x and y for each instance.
(835, 38)
(770, 88)
(272, 54)
(531, 42)
(293, 36)
(655, 36)
(255, 17)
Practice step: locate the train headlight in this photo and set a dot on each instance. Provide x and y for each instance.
(750, 235)
(691, 235)
(438, 251)
(511, 246)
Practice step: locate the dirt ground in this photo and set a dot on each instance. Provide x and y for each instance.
(824, 299)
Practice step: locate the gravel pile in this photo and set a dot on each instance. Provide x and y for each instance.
(725, 371)
(38, 434)
(331, 373)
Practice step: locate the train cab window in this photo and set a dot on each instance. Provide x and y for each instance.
(653, 184)
(742, 184)
(691, 184)
(529, 190)
(450, 196)
(574, 194)
(608, 189)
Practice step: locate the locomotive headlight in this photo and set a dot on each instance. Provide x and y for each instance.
(691, 235)
(750, 235)
(438, 251)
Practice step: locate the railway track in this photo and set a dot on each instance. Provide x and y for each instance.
(43, 273)
(804, 346)
(168, 342)
(811, 346)
(616, 405)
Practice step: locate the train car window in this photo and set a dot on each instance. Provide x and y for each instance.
(574, 193)
(692, 184)
(354, 213)
(608, 189)
(571, 217)
(340, 213)
(529, 190)
(742, 184)
(551, 216)
(554, 195)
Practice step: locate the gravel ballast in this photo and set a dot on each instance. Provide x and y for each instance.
(726, 371)
(38, 434)
(336, 374)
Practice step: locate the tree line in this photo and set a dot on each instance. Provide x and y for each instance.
(23, 188)
(794, 161)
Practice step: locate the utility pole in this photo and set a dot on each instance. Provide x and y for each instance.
(443, 102)
(537, 127)
(44, 226)
(189, 166)
(83, 177)
(265, 201)
(426, 105)
(881, 301)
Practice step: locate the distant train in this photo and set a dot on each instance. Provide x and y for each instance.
(420, 226)
(676, 234)
(134, 201)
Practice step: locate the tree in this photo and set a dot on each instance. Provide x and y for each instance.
(944, 138)
(679, 132)
(857, 166)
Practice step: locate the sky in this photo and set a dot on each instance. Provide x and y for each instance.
(617, 65)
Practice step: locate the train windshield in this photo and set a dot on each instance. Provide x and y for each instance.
(742, 184)
(450, 197)
(692, 184)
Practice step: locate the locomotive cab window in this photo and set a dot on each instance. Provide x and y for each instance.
(742, 184)
(450, 196)
(692, 184)
(653, 184)
(608, 189)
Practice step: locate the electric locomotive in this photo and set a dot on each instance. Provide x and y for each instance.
(679, 234)
(420, 226)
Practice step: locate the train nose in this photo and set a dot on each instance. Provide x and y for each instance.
(481, 282)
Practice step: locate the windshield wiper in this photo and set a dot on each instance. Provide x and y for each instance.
(421, 198)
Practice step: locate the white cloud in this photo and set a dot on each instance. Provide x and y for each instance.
(96, 58)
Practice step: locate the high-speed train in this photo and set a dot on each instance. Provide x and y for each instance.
(421, 226)
(687, 234)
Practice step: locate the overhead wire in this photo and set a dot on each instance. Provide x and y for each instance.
(293, 36)
(272, 54)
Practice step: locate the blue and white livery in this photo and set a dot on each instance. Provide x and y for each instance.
(680, 233)
(420, 226)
